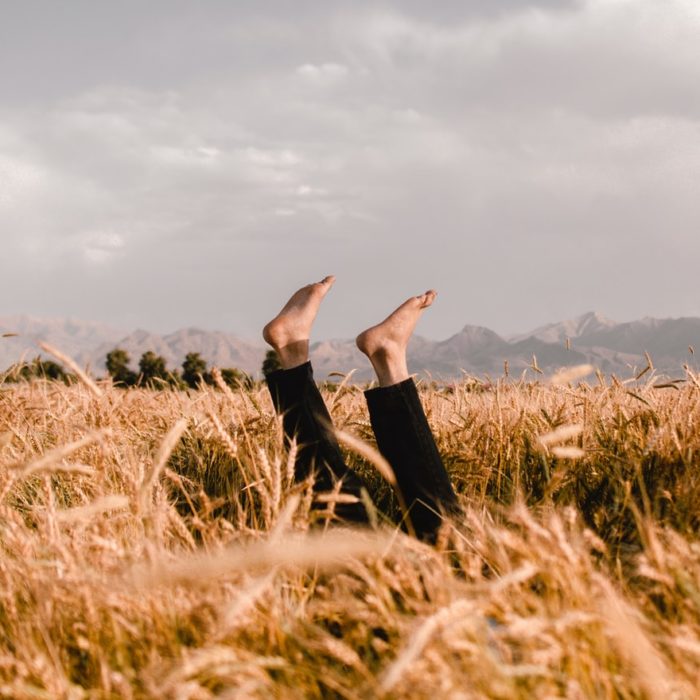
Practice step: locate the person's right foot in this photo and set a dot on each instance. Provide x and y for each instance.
(385, 344)
(289, 331)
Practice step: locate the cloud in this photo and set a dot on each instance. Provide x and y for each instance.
(323, 75)
(101, 247)
(199, 156)
(18, 179)
(308, 191)
(551, 146)
(280, 158)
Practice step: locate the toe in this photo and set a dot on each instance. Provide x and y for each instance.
(428, 298)
(324, 285)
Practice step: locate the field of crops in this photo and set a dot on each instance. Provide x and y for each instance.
(154, 545)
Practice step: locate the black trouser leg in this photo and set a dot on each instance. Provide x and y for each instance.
(305, 419)
(405, 440)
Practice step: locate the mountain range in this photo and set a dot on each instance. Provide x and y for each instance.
(591, 338)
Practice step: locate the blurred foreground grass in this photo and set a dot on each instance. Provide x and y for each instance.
(154, 545)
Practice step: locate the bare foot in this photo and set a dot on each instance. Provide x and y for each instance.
(385, 344)
(289, 331)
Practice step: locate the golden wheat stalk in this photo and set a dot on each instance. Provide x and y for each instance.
(633, 642)
(420, 639)
(73, 365)
(560, 434)
(47, 462)
(568, 452)
(571, 374)
(84, 513)
(159, 462)
(377, 459)
(325, 550)
(369, 453)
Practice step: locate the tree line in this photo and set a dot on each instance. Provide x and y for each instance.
(153, 371)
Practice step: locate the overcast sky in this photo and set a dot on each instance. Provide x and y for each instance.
(166, 164)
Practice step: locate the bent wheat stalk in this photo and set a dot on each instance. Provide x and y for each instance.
(322, 550)
(161, 458)
(72, 364)
(86, 512)
(374, 457)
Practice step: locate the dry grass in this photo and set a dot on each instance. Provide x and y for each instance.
(154, 545)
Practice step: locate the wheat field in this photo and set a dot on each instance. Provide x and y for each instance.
(154, 545)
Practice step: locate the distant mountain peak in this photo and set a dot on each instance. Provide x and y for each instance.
(470, 340)
(573, 329)
(597, 316)
(592, 321)
(471, 328)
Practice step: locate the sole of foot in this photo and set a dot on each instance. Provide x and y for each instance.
(391, 336)
(293, 323)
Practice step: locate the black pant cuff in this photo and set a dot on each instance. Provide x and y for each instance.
(386, 396)
(300, 373)
(286, 383)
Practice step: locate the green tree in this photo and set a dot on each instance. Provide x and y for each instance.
(194, 370)
(271, 363)
(153, 369)
(236, 378)
(117, 364)
(39, 369)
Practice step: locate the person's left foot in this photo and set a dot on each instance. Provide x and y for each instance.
(385, 344)
(289, 331)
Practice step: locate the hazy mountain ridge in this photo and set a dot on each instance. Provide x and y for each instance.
(578, 327)
(611, 346)
(74, 337)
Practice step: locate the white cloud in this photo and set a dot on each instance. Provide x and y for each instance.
(101, 247)
(308, 191)
(281, 158)
(324, 74)
(18, 179)
(178, 156)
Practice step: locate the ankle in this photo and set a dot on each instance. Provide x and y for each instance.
(293, 354)
(392, 378)
(389, 370)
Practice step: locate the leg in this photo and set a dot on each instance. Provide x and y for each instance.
(400, 426)
(297, 398)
